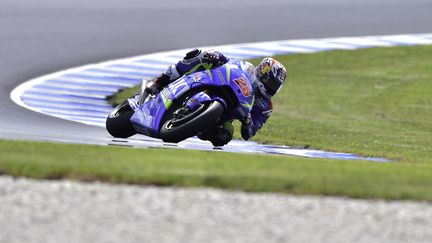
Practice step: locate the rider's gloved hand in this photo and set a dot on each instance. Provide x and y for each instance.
(156, 84)
(151, 87)
(211, 57)
(246, 127)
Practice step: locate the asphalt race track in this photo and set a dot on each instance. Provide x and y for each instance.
(42, 37)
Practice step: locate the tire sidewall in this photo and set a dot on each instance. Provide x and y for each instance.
(119, 125)
(206, 119)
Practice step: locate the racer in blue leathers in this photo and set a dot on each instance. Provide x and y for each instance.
(267, 78)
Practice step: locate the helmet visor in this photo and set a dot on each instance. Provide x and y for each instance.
(272, 85)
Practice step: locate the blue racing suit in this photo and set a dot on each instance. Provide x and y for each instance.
(198, 60)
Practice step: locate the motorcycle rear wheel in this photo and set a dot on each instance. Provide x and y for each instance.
(175, 130)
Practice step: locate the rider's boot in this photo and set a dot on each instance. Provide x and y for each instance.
(218, 136)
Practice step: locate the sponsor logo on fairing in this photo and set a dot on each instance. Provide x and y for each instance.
(165, 94)
(243, 85)
(166, 98)
(177, 86)
(221, 76)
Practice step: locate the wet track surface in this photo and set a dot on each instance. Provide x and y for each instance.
(46, 36)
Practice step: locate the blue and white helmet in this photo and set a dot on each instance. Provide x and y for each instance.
(270, 75)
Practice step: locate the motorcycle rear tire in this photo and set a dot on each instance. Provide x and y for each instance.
(118, 122)
(205, 119)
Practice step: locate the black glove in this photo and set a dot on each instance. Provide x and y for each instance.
(246, 127)
(158, 83)
(211, 57)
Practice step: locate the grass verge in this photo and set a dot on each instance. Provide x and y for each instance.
(258, 173)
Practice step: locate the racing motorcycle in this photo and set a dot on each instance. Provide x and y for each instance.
(193, 103)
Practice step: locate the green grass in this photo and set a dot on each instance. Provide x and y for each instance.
(124, 94)
(373, 102)
(259, 173)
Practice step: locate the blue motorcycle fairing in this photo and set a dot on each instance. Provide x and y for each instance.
(149, 117)
(197, 99)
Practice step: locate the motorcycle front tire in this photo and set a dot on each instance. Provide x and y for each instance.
(206, 118)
